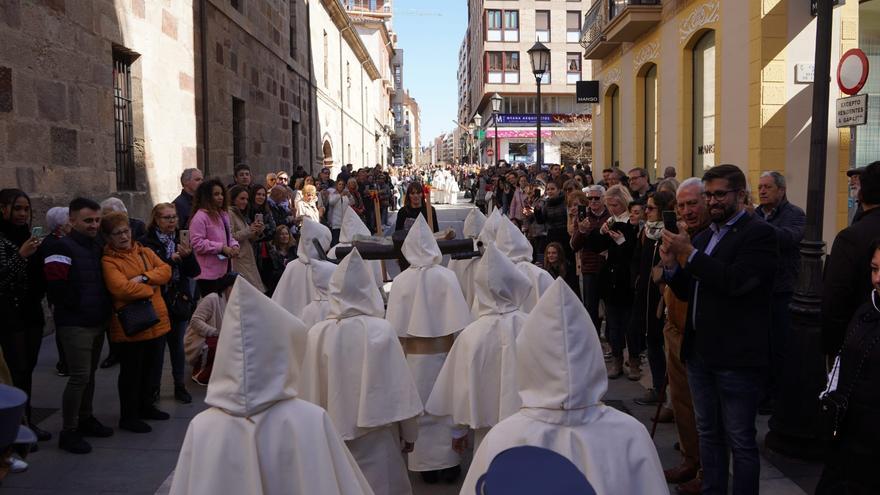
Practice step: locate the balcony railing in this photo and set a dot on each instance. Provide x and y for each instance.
(611, 22)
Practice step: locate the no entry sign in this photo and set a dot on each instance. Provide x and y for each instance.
(852, 71)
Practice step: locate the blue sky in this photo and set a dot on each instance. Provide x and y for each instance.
(430, 34)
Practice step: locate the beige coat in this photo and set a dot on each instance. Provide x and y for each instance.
(246, 263)
(205, 322)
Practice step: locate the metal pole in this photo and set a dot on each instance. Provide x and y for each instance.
(794, 427)
(540, 157)
(497, 146)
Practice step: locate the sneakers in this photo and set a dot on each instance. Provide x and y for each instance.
(615, 368)
(650, 397)
(72, 441)
(634, 371)
(91, 427)
(17, 465)
(61, 369)
(153, 413)
(202, 376)
(181, 394)
(134, 426)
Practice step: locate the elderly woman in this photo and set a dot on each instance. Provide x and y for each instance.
(138, 228)
(163, 237)
(133, 273)
(203, 331)
(245, 232)
(307, 205)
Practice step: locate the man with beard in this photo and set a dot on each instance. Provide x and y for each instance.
(726, 274)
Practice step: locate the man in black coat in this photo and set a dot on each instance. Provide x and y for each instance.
(847, 278)
(726, 274)
(189, 181)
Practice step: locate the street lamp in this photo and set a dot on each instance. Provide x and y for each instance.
(540, 57)
(470, 131)
(478, 119)
(496, 107)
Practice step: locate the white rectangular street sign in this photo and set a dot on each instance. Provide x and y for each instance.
(804, 73)
(852, 111)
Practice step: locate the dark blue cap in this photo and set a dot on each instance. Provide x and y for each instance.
(528, 470)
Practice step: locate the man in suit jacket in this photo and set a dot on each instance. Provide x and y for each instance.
(726, 274)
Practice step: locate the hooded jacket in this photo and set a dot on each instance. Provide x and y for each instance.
(477, 385)
(318, 309)
(275, 442)
(490, 227)
(464, 269)
(511, 242)
(353, 226)
(561, 378)
(354, 365)
(426, 299)
(295, 290)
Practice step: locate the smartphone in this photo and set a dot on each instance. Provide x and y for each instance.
(258, 218)
(670, 221)
(184, 237)
(582, 212)
(37, 232)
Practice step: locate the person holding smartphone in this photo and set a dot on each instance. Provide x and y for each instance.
(210, 234)
(173, 247)
(245, 232)
(588, 214)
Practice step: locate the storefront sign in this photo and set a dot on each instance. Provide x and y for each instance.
(587, 91)
(852, 111)
(532, 119)
(516, 133)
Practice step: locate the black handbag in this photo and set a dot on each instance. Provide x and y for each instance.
(137, 316)
(180, 304)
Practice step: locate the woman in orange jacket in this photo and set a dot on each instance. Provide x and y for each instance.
(132, 273)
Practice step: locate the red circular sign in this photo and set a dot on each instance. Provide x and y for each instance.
(852, 71)
(489, 152)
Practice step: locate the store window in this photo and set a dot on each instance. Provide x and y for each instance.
(703, 147)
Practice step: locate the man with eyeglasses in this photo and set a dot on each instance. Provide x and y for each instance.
(590, 262)
(639, 185)
(82, 309)
(726, 273)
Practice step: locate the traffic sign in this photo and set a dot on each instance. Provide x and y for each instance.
(852, 111)
(490, 152)
(852, 71)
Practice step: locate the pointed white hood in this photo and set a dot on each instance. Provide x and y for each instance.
(500, 287)
(257, 361)
(352, 225)
(474, 223)
(353, 291)
(420, 248)
(490, 227)
(312, 230)
(321, 273)
(559, 357)
(511, 241)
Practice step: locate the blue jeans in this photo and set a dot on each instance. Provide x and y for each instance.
(174, 339)
(725, 406)
(616, 320)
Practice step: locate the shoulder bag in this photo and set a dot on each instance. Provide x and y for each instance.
(137, 316)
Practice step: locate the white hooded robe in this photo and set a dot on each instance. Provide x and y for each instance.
(258, 437)
(318, 309)
(477, 385)
(352, 226)
(464, 269)
(295, 290)
(562, 378)
(511, 241)
(355, 368)
(426, 301)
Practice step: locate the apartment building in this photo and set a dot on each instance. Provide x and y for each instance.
(495, 58)
(696, 83)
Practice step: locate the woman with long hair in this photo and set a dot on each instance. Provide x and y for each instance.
(245, 232)
(647, 314)
(163, 237)
(557, 265)
(22, 287)
(414, 205)
(211, 234)
(259, 210)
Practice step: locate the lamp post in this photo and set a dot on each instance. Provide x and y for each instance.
(478, 120)
(470, 129)
(496, 107)
(540, 57)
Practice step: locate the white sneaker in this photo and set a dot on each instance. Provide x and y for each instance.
(17, 465)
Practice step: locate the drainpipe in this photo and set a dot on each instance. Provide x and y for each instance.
(203, 49)
(342, 82)
(312, 94)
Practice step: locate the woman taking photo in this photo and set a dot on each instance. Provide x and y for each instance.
(133, 273)
(245, 232)
(282, 250)
(647, 315)
(414, 205)
(163, 237)
(617, 236)
(210, 234)
(22, 288)
(852, 457)
(553, 215)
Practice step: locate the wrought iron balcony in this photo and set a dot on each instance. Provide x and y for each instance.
(609, 23)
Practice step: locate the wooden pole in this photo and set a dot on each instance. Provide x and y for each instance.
(428, 208)
(379, 230)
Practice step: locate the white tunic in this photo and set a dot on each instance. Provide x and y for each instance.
(355, 368)
(426, 301)
(464, 269)
(258, 437)
(295, 290)
(319, 307)
(562, 378)
(511, 241)
(353, 226)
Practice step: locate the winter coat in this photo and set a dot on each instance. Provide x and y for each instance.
(205, 322)
(119, 268)
(208, 235)
(246, 263)
(75, 280)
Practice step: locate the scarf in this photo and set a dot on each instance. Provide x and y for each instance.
(654, 230)
(622, 218)
(167, 241)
